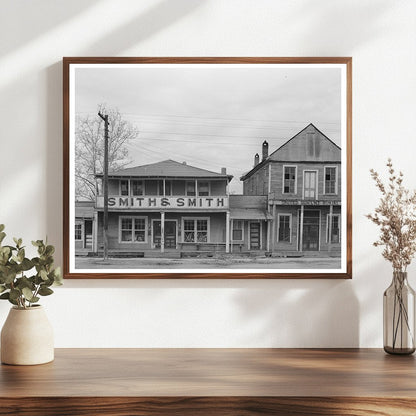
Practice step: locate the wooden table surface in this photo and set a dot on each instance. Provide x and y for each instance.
(212, 381)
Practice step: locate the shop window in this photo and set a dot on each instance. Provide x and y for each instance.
(140, 230)
(284, 225)
(202, 231)
(124, 187)
(330, 180)
(126, 229)
(133, 229)
(335, 229)
(238, 230)
(137, 188)
(189, 231)
(203, 189)
(78, 231)
(195, 230)
(289, 179)
(190, 189)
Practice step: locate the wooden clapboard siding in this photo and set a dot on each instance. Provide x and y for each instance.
(277, 180)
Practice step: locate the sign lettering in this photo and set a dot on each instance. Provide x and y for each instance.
(220, 202)
(306, 202)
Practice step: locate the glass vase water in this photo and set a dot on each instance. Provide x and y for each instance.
(399, 316)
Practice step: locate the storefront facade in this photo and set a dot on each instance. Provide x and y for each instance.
(291, 204)
(165, 206)
(302, 182)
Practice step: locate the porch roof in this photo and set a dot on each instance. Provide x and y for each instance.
(84, 209)
(249, 214)
(167, 169)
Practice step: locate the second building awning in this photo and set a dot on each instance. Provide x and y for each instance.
(249, 214)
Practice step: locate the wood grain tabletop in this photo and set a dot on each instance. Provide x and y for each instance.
(181, 380)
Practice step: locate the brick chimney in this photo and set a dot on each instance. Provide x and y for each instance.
(223, 171)
(256, 159)
(265, 150)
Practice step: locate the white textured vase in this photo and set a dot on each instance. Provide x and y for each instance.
(27, 337)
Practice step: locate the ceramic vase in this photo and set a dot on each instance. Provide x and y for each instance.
(27, 337)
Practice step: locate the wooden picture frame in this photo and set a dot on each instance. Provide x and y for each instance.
(170, 205)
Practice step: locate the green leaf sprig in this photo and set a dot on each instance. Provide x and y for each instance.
(16, 285)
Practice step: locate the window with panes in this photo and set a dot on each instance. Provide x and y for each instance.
(195, 231)
(335, 229)
(124, 187)
(330, 180)
(190, 188)
(238, 230)
(289, 180)
(133, 230)
(137, 188)
(203, 189)
(78, 231)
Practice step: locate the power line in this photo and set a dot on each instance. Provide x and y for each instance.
(160, 152)
(229, 118)
(210, 125)
(202, 142)
(211, 135)
(220, 118)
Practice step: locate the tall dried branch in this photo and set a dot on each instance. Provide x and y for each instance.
(396, 217)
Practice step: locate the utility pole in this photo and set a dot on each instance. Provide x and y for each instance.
(105, 186)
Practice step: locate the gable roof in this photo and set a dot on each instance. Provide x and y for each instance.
(311, 128)
(166, 169)
(296, 150)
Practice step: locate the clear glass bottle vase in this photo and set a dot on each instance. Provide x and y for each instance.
(399, 316)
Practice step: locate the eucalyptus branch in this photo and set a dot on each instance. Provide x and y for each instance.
(17, 285)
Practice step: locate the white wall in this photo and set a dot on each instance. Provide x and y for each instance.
(380, 35)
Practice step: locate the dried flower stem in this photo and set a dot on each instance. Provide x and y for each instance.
(396, 217)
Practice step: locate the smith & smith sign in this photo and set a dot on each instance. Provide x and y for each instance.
(150, 202)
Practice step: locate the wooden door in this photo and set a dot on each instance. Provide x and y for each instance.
(309, 185)
(88, 234)
(170, 234)
(254, 235)
(310, 240)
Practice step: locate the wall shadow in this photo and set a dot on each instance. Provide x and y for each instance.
(301, 313)
(154, 20)
(37, 18)
(336, 17)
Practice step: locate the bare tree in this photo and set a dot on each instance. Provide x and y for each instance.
(89, 149)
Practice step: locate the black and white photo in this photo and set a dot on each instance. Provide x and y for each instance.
(211, 168)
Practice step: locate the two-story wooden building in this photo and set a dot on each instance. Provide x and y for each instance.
(164, 206)
(302, 182)
(291, 204)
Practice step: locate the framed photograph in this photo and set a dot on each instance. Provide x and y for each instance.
(207, 168)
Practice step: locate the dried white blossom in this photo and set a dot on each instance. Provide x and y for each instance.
(396, 217)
